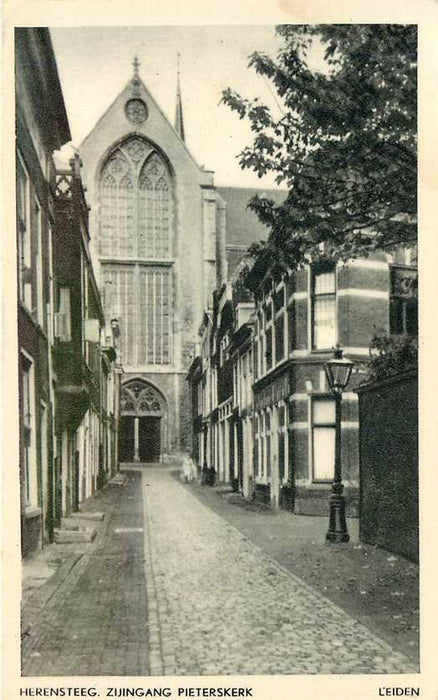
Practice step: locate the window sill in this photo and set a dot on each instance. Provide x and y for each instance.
(322, 351)
(32, 512)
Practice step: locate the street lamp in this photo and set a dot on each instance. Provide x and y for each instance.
(338, 372)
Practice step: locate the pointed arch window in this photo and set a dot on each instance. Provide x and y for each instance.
(136, 203)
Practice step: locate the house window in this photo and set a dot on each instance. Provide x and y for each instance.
(37, 227)
(28, 433)
(268, 444)
(256, 359)
(323, 439)
(403, 306)
(256, 447)
(324, 309)
(279, 338)
(268, 353)
(63, 317)
(279, 300)
(282, 444)
(24, 236)
(290, 327)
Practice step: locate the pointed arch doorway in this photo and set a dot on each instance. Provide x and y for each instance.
(142, 422)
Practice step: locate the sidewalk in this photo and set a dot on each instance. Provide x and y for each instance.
(52, 564)
(87, 618)
(374, 586)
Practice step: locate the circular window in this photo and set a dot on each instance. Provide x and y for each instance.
(136, 111)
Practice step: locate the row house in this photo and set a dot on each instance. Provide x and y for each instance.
(66, 358)
(220, 378)
(87, 374)
(276, 418)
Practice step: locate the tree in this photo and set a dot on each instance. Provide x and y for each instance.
(344, 145)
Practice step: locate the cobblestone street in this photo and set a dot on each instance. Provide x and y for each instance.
(171, 588)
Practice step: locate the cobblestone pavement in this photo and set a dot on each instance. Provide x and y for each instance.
(219, 605)
(188, 596)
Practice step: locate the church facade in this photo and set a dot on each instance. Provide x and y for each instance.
(156, 241)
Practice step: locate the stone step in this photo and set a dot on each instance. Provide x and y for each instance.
(69, 524)
(118, 480)
(83, 515)
(72, 536)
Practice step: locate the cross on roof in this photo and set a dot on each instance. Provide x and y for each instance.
(136, 65)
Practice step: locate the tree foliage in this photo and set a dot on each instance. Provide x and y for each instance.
(391, 355)
(344, 144)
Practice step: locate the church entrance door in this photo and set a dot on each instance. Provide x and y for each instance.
(149, 439)
(143, 422)
(126, 439)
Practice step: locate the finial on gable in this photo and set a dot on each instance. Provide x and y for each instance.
(136, 82)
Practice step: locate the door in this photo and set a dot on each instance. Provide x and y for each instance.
(126, 439)
(149, 439)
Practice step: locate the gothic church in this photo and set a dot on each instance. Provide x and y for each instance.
(162, 242)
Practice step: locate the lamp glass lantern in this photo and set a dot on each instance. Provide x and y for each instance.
(338, 372)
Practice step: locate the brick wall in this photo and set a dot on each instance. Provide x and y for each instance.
(389, 464)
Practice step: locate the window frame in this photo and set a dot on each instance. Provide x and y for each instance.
(327, 397)
(403, 300)
(316, 270)
(24, 234)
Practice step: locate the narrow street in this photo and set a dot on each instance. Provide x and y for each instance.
(171, 588)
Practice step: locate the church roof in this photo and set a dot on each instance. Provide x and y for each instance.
(243, 226)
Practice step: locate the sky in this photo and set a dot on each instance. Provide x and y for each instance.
(95, 63)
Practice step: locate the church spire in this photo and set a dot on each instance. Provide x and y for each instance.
(179, 120)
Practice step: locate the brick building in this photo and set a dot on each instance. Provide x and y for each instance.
(63, 373)
(279, 407)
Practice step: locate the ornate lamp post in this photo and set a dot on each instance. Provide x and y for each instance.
(338, 372)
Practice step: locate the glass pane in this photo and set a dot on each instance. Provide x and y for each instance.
(281, 416)
(154, 212)
(281, 455)
(323, 453)
(269, 348)
(323, 412)
(325, 283)
(325, 327)
(21, 193)
(291, 320)
(279, 338)
(117, 207)
(279, 300)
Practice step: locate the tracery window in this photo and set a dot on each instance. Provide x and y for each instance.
(142, 295)
(136, 223)
(136, 203)
(138, 397)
